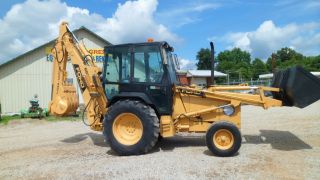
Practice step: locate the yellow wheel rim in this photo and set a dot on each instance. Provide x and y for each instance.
(223, 139)
(127, 128)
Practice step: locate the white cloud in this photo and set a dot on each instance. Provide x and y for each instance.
(134, 21)
(186, 64)
(194, 7)
(268, 37)
(34, 22)
(298, 5)
(187, 13)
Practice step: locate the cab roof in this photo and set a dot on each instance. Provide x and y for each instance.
(157, 43)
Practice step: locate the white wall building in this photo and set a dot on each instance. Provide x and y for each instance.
(202, 77)
(31, 73)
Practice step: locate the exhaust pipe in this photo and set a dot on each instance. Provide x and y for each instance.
(212, 62)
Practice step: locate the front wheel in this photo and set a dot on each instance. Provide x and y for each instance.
(223, 139)
(131, 127)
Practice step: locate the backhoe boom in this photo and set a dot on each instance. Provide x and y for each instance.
(64, 100)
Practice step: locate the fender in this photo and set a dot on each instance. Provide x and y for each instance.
(133, 95)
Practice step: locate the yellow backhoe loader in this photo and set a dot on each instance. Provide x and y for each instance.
(137, 97)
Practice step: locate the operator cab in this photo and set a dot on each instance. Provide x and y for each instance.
(143, 71)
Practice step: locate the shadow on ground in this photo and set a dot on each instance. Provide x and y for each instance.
(168, 144)
(280, 140)
(97, 139)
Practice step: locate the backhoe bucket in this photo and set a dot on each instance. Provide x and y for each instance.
(298, 87)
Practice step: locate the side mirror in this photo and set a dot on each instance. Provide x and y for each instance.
(176, 61)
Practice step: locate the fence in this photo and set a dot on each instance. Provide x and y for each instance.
(258, 82)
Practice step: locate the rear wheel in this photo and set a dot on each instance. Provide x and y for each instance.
(223, 139)
(131, 127)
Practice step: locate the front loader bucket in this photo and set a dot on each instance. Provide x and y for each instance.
(298, 87)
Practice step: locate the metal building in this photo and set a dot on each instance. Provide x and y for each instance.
(30, 73)
(202, 77)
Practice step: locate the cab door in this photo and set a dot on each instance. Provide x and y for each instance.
(150, 77)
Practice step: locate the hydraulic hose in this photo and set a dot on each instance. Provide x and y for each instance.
(95, 119)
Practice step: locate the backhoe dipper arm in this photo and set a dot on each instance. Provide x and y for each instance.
(64, 99)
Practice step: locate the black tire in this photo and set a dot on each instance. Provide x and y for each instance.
(148, 118)
(229, 127)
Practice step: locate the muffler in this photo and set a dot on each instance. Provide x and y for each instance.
(298, 87)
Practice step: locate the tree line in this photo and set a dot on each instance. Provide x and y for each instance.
(239, 64)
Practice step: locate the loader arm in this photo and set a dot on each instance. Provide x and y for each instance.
(223, 93)
(64, 99)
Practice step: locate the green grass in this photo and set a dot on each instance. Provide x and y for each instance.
(5, 119)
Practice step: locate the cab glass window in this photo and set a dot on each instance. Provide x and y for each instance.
(171, 67)
(118, 64)
(148, 65)
(139, 67)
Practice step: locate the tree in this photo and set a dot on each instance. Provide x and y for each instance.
(286, 54)
(203, 57)
(312, 63)
(258, 67)
(286, 57)
(235, 62)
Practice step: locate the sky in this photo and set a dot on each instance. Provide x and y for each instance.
(259, 27)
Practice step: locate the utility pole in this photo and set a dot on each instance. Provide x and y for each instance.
(240, 77)
(228, 77)
(273, 61)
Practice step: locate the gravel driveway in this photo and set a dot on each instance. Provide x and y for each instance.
(277, 143)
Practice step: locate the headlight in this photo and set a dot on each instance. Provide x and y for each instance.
(228, 110)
